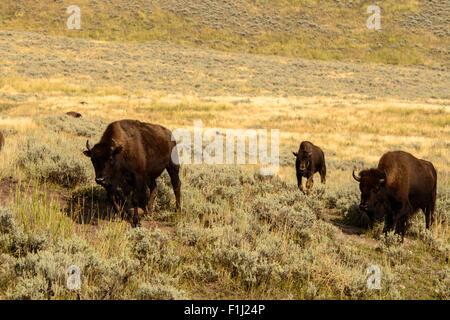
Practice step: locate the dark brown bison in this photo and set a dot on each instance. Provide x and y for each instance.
(74, 114)
(130, 156)
(397, 188)
(309, 160)
(2, 140)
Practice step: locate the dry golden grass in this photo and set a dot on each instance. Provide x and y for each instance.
(350, 127)
(346, 128)
(330, 256)
(324, 30)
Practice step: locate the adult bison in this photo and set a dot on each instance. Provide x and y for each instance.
(397, 188)
(309, 160)
(2, 140)
(130, 156)
(74, 114)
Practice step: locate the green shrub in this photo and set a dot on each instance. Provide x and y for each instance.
(159, 292)
(193, 234)
(35, 288)
(200, 272)
(356, 217)
(83, 127)
(54, 161)
(248, 265)
(13, 240)
(152, 248)
(442, 210)
(166, 197)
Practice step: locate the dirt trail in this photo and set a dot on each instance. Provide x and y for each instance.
(348, 232)
(10, 187)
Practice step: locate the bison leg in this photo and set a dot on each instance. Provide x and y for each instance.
(299, 183)
(111, 196)
(388, 223)
(396, 223)
(402, 227)
(139, 199)
(309, 184)
(428, 217)
(400, 218)
(153, 192)
(138, 202)
(135, 221)
(174, 170)
(429, 214)
(323, 174)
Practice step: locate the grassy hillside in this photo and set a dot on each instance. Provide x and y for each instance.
(414, 32)
(239, 235)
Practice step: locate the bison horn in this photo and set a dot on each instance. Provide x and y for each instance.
(87, 145)
(357, 178)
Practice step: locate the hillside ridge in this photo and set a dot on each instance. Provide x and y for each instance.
(412, 32)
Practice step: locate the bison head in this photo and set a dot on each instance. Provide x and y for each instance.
(104, 158)
(303, 159)
(372, 184)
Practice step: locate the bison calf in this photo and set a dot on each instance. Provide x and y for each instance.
(130, 156)
(309, 160)
(397, 188)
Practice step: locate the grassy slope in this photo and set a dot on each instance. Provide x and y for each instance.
(327, 30)
(223, 221)
(311, 254)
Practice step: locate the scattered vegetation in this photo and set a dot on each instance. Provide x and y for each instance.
(239, 234)
(76, 126)
(413, 32)
(246, 234)
(50, 158)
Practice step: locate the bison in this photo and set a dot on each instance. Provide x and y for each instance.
(74, 114)
(130, 156)
(2, 140)
(309, 160)
(396, 189)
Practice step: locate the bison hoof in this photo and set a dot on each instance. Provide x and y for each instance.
(136, 224)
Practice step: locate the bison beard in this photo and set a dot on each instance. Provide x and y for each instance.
(397, 188)
(130, 156)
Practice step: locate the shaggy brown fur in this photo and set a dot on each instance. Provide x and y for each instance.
(397, 188)
(309, 160)
(130, 156)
